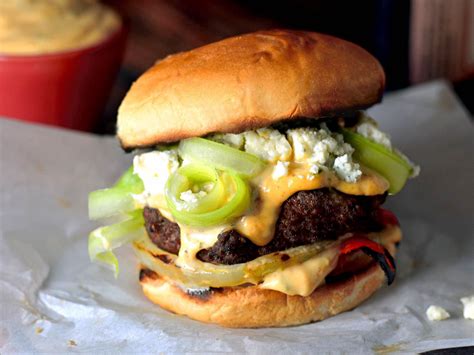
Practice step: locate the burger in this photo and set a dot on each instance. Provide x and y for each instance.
(256, 190)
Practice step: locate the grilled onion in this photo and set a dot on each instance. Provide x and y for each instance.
(209, 275)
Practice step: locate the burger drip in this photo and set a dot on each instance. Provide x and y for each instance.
(259, 226)
(296, 216)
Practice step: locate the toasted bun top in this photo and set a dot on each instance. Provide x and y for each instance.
(247, 82)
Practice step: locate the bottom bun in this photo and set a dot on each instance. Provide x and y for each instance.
(252, 307)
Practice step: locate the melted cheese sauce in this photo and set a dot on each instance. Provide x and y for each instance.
(192, 241)
(304, 278)
(259, 226)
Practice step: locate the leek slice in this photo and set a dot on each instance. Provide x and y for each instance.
(223, 209)
(104, 240)
(117, 199)
(220, 156)
(191, 176)
(377, 157)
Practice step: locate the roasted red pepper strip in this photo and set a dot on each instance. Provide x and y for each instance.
(374, 250)
(387, 218)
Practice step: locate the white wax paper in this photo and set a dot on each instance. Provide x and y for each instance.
(53, 300)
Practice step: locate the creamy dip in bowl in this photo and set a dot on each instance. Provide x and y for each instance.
(32, 27)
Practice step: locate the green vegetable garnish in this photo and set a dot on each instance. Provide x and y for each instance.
(130, 181)
(191, 177)
(377, 157)
(220, 156)
(103, 240)
(229, 196)
(117, 199)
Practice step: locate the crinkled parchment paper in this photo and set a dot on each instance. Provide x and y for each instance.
(53, 300)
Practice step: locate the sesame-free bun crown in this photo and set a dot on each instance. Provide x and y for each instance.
(248, 82)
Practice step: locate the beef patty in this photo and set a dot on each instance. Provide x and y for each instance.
(305, 218)
(164, 233)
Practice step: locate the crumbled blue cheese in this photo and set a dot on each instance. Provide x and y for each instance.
(191, 198)
(468, 303)
(154, 168)
(268, 144)
(369, 130)
(323, 150)
(437, 313)
(280, 169)
(347, 169)
(317, 144)
(234, 140)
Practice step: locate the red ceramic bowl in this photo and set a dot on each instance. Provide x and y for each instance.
(67, 89)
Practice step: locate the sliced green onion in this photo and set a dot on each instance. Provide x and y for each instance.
(190, 176)
(103, 240)
(223, 209)
(377, 157)
(220, 156)
(116, 200)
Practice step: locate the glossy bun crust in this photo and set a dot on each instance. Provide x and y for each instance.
(247, 82)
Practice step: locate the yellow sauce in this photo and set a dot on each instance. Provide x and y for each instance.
(49, 26)
(192, 241)
(304, 278)
(259, 226)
